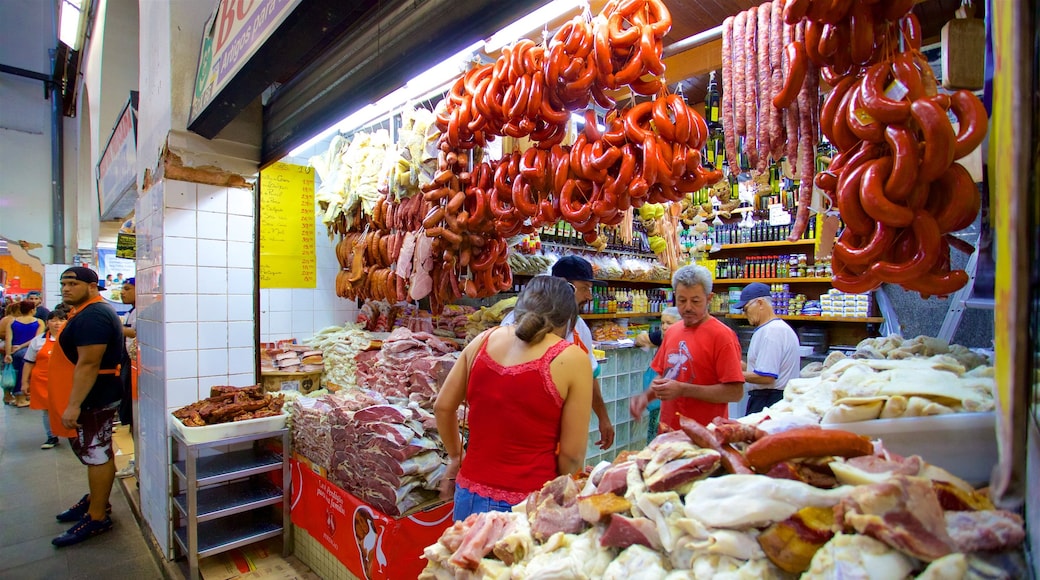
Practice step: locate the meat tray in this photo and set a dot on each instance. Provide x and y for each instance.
(965, 444)
(220, 431)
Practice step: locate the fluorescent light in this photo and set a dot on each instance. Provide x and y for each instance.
(532, 21)
(70, 23)
(579, 120)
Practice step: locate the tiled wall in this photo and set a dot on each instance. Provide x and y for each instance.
(287, 313)
(621, 377)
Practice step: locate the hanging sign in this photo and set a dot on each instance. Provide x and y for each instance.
(233, 33)
(117, 169)
(287, 217)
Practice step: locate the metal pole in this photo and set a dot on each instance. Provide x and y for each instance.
(57, 171)
(694, 41)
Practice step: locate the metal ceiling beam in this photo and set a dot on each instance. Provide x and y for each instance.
(379, 54)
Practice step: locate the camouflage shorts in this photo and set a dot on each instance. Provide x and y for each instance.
(93, 441)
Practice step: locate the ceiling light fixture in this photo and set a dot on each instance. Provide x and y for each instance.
(532, 21)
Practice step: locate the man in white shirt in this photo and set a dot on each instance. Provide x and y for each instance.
(772, 357)
(578, 271)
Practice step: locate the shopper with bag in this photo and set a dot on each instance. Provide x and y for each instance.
(20, 332)
(529, 396)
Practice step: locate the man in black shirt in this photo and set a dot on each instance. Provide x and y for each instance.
(85, 369)
(41, 311)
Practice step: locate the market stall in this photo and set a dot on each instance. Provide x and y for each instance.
(823, 162)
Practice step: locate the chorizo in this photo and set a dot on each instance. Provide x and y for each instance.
(751, 90)
(765, 83)
(739, 69)
(927, 241)
(971, 120)
(954, 199)
(872, 93)
(729, 132)
(797, 62)
(879, 243)
(939, 139)
(875, 201)
(904, 147)
(763, 454)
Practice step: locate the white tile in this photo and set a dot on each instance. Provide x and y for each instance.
(179, 194)
(182, 336)
(213, 253)
(323, 318)
(265, 327)
(213, 198)
(240, 201)
(213, 281)
(213, 362)
(242, 379)
(179, 251)
(181, 364)
(181, 392)
(281, 300)
(302, 299)
(212, 226)
(179, 280)
(240, 280)
(240, 307)
(240, 255)
(218, 380)
(265, 300)
(240, 228)
(281, 323)
(181, 308)
(179, 223)
(303, 324)
(212, 335)
(240, 334)
(213, 308)
(241, 360)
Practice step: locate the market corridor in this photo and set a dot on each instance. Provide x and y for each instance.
(35, 485)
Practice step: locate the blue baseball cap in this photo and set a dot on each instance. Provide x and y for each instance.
(751, 292)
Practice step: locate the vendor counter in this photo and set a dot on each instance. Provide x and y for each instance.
(620, 378)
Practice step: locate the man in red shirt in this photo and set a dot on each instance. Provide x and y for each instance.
(698, 365)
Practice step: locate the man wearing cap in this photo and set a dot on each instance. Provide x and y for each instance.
(85, 391)
(698, 365)
(578, 271)
(41, 312)
(772, 357)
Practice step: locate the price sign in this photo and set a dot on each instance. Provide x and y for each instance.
(287, 254)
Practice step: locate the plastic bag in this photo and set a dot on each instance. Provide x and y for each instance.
(10, 377)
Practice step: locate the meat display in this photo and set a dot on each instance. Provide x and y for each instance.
(227, 404)
(734, 525)
(408, 365)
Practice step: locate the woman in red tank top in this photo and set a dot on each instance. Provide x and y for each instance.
(529, 397)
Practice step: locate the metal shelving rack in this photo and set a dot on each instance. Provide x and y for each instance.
(221, 505)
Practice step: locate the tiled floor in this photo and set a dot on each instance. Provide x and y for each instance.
(35, 485)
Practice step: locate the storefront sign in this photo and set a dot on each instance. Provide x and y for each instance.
(233, 33)
(287, 218)
(371, 545)
(117, 169)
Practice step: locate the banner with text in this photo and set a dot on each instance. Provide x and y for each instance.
(287, 217)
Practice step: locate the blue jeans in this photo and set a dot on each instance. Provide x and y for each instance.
(467, 502)
(47, 425)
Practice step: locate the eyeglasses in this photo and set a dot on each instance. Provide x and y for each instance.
(748, 305)
(573, 287)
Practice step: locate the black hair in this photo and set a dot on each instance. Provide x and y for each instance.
(546, 303)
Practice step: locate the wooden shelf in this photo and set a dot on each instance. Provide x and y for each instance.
(617, 280)
(807, 280)
(860, 319)
(614, 315)
(777, 244)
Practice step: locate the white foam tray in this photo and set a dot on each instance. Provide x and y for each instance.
(210, 433)
(965, 444)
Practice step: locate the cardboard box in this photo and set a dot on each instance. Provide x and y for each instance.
(261, 561)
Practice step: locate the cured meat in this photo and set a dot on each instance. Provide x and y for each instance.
(623, 532)
(728, 97)
(684, 470)
(730, 431)
(421, 283)
(554, 508)
(751, 90)
(739, 72)
(806, 158)
(902, 512)
(975, 531)
(765, 84)
(791, 116)
(407, 254)
(776, 49)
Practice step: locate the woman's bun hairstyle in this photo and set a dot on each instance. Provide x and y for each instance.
(546, 303)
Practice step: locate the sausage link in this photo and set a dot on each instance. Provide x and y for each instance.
(751, 90)
(739, 68)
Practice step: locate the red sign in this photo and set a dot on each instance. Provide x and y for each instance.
(372, 545)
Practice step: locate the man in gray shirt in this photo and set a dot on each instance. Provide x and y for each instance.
(772, 357)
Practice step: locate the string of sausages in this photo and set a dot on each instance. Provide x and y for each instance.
(770, 97)
(646, 153)
(894, 180)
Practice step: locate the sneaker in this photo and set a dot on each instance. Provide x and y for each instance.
(78, 511)
(50, 443)
(83, 530)
(126, 471)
